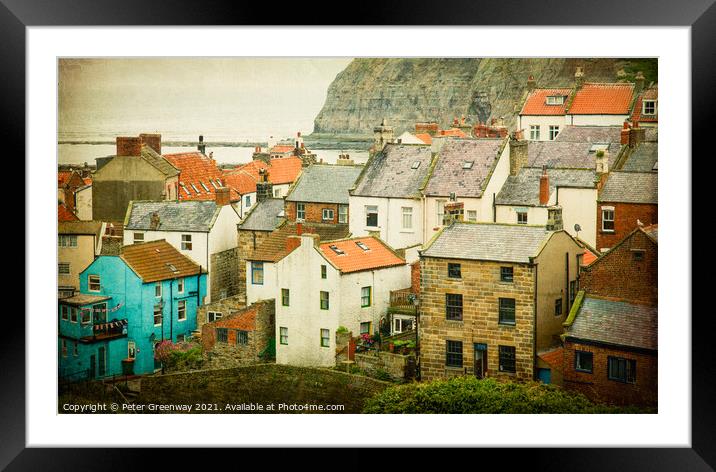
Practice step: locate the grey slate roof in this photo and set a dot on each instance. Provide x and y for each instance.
(523, 188)
(616, 322)
(590, 134)
(186, 215)
(651, 134)
(643, 158)
(389, 173)
(488, 242)
(631, 187)
(567, 155)
(163, 165)
(449, 175)
(324, 183)
(264, 216)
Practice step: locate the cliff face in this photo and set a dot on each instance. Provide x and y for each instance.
(409, 90)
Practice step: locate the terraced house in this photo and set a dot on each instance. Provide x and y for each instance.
(492, 296)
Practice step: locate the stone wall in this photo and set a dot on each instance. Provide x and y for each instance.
(625, 216)
(399, 367)
(224, 274)
(248, 241)
(227, 306)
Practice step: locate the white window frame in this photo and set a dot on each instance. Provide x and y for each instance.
(471, 215)
(643, 107)
(65, 312)
(407, 212)
(369, 210)
(327, 337)
(608, 209)
(342, 213)
(186, 242)
(555, 99)
(131, 349)
(90, 283)
(534, 132)
(154, 315)
(138, 238)
(247, 201)
(522, 212)
(181, 309)
(212, 316)
(157, 290)
(327, 214)
(180, 285)
(277, 193)
(440, 211)
(553, 132)
(283, 334)
(300, 211)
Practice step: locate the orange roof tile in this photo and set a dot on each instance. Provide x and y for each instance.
(554, 358)
(536, 103)
(158, 260)
(649, 94)
(244, 320)
(62, 177)
(284, 170)
(425, 137)
(65, 214)
(282, 149)
(240, 180)
(602, 99)
(453, 132)
(354, 258)
(588, 257)
(199, 176)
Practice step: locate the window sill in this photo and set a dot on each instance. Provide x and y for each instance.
(607, 231)
(506, 325)
(454, 368)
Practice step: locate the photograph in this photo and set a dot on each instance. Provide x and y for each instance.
(357, 235)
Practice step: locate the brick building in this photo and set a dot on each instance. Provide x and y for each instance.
(491, 296)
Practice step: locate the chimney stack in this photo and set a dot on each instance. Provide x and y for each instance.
(518, 152)
(602, 161)
(579, 78)
(154, 221)
(626, 131)
(129, 146)
(531, 83)
(554, 218)
(544, 187)
(299, 228)
(201, 147)
(264, 188)
(222, 196)
(639, 82)
(153, 140)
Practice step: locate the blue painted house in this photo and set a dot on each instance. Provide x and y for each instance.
(127, 304)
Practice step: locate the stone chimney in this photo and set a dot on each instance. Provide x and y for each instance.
(129, 146)
(554, 218)
(639, 82)
(201, 147)
(344, 160)
(578, 78)
(625, 134)
(264, 188)
(602, 161)
(632, 135)
(431, 128)
(154, 221)
(531, 83)
(437, 144)
(518, 153)
(454, 211)
(222, 196)
(544, 187)
(382, 135)
(153, 140)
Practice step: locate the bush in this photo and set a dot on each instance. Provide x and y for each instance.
(179, 356)
(468, 395)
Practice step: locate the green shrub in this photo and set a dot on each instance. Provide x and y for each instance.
(341, 330)
(467, 395)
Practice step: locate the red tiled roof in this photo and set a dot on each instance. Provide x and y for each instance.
(199, 176)
(588, 257)
(87, 180)
(244, 321)
(649, 94)
(62, 177)
(536, 103)
(425, 137)
(355, 259)
(282, 149)
(64, 213)
(602, 99)
(240, 180)
(281, 171)
(453, 132)
(554, 358)
(158, 260)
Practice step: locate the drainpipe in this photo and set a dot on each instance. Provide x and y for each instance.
(494, 208)
(198, 287)
(534, 324)
(171, 310)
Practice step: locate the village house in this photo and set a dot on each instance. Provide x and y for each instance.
(320, 195)
(646, 108)
(83, 201)
(280, 172)
(203, 230)
(200, 177)
(78, 243)
(65, 214)
(343, 283)
(68, 182)
(136, 172)
(610, 349)
(127, 304)
(491, 296)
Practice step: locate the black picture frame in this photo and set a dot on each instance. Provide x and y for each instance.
(700, 15)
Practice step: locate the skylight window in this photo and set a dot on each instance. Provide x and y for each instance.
(204, 186)
(415, 165)
(362, 245)
(467, 164)
(555, 100)
(213, 183)
(598, 147)
(185, 189)
(172, 268)
(218, 182)
(335, 249)
(195, 189)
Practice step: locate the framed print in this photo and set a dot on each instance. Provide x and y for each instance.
(298, 235)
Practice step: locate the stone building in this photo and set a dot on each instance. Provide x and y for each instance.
(491, 296)
(79, 243)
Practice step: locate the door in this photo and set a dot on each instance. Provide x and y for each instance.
(102, 365)
(544, 375)
(480, 360)
(93, 366)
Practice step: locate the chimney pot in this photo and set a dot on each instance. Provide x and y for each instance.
(544, 187)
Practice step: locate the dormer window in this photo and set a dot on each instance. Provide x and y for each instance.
(555, 100)
(415, 165)
(598, 147)
(649, 107)
(467, 164)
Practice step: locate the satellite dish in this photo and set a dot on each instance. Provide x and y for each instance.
(577, 228)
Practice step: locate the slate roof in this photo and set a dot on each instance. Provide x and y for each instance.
(163, 165)
(536, 102)
(189, 215)
(615, 322)
(90, 228)
(273, 248)
(602, 99)
(389, 173)
(356, 259)
(643, 158)
(590, 134)
(567, 155)
(449, 176)
(158, 260)
(200, 176)
(324, 183)
(488, 242)
(264, 216)
(631, 187)
(523, 188)
(652, 231)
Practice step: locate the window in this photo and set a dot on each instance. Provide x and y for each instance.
(138, 238)
(365, 327)
(247, 201)
(181, 310)
(75, 349)
(471, 215)
(157, 315)
(583, 361)
(649, 107)
(453, 306)
(131, 349)
(440, 211)
(637, 255)
(343, 213)
(180, 285)
(553, 132)
(521, 217)
(415, 165)
(558, 307)
(534, 132)
(257, 273)
(222, 335)
(186, 244)
(402, 324)
(65, 312)
(328, 214)
(67, 240)
(621, 370)
(507, 274)
(158, 289)
(453, 353)
(93, 283)
(365, 296)
(277, 193)
(323, 271)
(555, 99)
(285, 297)
(325, 341)
(467, 164)
(454, 271)
(64, 348)
(86, 316)
(407, 217)
(507, 359)
(195, 189)
(608, 219)
(300, 211)
(63, 268)
(180, 338)
(572, 291)
(73, 315)
(213, 316)
(242, 337)
(371, 215)
(283, 335)
(362, 245)
(324, 300)
(507, 311)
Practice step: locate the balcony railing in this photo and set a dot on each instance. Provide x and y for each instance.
(402, 298)
(107, 330)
